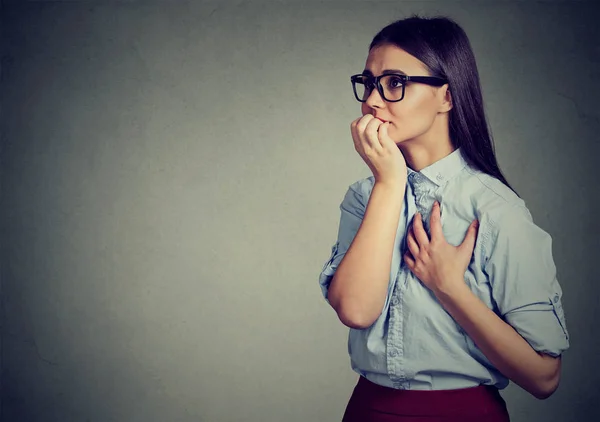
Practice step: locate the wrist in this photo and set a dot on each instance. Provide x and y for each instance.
(395, 185)
(452, 290)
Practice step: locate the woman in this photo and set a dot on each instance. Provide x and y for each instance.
(447, 285)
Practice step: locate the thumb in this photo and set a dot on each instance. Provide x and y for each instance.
(468, 243)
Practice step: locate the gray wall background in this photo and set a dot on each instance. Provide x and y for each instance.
(171, 174)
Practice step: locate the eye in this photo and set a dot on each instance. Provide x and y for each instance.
(394, 82)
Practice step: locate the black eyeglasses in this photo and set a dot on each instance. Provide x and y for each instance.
(390, 86)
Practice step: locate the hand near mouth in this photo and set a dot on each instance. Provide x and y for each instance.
(378, 150)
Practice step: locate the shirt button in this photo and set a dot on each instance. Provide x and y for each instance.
(556, 299)
(439, 177)
(395, 301)
(393, 353)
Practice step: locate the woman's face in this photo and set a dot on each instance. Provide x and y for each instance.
(413, 116)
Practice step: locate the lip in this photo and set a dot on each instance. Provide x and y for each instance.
(379, 118)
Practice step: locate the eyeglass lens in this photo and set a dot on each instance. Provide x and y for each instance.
(392, 87)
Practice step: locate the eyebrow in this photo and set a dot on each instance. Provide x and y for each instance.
(385, 72)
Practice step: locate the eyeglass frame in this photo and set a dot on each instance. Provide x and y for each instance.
(427, 80)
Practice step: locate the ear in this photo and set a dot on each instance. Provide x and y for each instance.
(445, 99)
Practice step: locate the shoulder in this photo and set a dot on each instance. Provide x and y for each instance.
(505, 221)
(506, 224)
(493, 201)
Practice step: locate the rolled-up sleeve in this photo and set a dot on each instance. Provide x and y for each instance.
(518, 262)
(352, 212)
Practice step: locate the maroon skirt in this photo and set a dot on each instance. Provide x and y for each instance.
(374, 403)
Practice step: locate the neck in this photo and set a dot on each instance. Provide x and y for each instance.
(428, 148)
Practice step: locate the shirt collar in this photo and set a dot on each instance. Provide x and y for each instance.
(441, 171)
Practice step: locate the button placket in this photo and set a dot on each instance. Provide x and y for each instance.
(395, 335)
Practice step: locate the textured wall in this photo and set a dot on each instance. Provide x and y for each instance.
(171, 174)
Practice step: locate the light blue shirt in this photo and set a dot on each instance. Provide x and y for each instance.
(415, 344)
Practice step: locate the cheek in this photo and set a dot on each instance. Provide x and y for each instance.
(410, 120)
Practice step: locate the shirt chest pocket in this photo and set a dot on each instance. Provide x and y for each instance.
(454, 229)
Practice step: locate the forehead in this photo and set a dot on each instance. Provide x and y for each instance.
(390, 57)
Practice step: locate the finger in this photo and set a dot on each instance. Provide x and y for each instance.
(468, 244)
(354, 132)
(435, 222)
(357, 127)
(410, 262)
(420, 233)
(362, 123)
(371, 136)
(384, 137)
(361, 126)
(353, 124)
(411, 242)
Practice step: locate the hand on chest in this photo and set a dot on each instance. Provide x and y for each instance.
(455, 219)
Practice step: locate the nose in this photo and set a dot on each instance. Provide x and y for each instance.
(374, 99)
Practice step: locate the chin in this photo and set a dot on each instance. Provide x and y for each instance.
(398, 138)
(401, 138)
